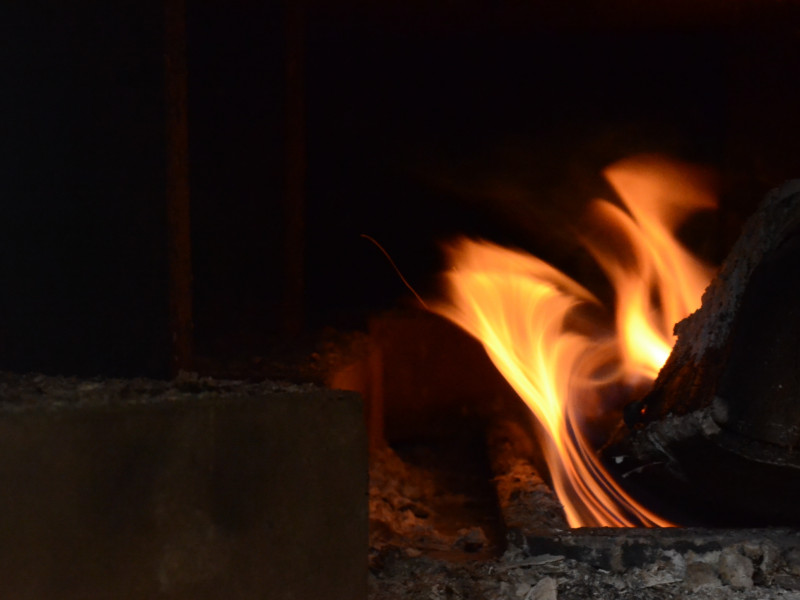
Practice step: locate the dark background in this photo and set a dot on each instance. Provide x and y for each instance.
(421, 123)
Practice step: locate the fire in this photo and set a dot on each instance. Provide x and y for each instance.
(659, 196)
(523, 311)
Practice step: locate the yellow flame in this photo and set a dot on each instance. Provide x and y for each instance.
(518, 307)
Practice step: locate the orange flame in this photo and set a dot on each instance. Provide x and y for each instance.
(518, 307)
(660, 195)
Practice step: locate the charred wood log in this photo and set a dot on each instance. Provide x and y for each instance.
(720, 431)
(527, 504)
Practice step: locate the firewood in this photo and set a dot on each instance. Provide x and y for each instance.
(526, 502)
(722, 422)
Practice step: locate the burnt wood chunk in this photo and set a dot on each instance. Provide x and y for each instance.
(721, 425)
(526, 502)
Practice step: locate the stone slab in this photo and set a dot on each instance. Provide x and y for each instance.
(194, 490)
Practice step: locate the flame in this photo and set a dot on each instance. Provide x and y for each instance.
(659, 195)
(522, 310)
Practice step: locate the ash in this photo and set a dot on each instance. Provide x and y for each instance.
(717, 575)
(417, 554)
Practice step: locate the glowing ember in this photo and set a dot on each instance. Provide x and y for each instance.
(518, 307)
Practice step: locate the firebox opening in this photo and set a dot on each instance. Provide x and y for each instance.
(304, 124)
(489, 285)
(418, 127)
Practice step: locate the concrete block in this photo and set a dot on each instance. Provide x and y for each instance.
(199, 490)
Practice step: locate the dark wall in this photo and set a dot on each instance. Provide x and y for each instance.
(471, 120)
(421, 124)
(490, 133)
(82, 268)
(237, 140)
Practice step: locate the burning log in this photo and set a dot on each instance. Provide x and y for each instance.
(719, 431)
(526, 502)
(708, 426)
(523, 310)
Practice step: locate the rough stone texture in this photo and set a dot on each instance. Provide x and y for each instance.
(192, 490)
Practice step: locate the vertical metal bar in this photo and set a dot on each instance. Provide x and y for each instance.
(177, 192)
(294, 206)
